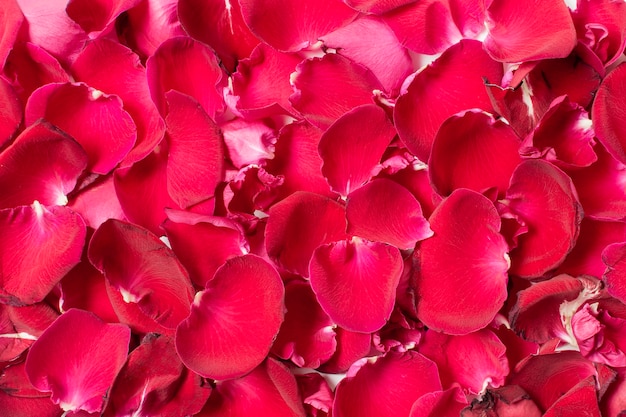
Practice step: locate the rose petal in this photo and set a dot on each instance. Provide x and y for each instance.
(581, 399)
(351, 346)
(97, 203)
(376, 6)
(607, 114)
(448, 403)
(20, 326)
(11, 17)
(96, 16)
(599, 25)
(249, 142)
(316, 394)
(614, 256)
(10, 112)
(229, 331)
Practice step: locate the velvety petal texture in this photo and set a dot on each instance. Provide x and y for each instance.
(10, 112)
(614, 256)
(608, 111)
(230, 330)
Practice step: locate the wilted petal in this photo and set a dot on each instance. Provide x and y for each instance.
(600, 335)
(252, 189)
(346, 86)
(614, 400)
(39, 246)
(299, 224)
(77, 358)
(145, 271)
(48, 164)
(306, 336)
(520, 32)
(459, 72)
(385, 386)
(230, 331)
(96, 120)
(385, 211)
(473, 150)
(544, 198)
(462, 278)
(448, 403)
(353, 146)
(508, 401)
(99, 15)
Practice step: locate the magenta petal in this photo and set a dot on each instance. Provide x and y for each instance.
(473, 150)
(346, 86)
(460, 72)
(448, 403)
(189, 67)
(306, 336)
(353, 146)
(298, 225)
(293, 25)
(351, 346)
(48, 164)
(195, 163)
(145, 271)
(26, 323)
(249, 142)
(11, 19)
(385, 211)
(376, 6)
(614, 256)
(544, 198)
(97, 121)
(229, 331)
(385, 386)
(96, 16)
(10, 112)
(98, 203)
(77, 358)
(462, 280)
(607, 113)
(45, 242)
(355, 282)
(600, 27)
(520, 32)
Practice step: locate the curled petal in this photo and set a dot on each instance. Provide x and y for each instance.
(599, 24)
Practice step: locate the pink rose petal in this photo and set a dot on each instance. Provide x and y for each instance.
(97, 203)
(230, 331)
(249, 142)
(316, 394)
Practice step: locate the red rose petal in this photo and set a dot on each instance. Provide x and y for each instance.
(614, 256)
(461, 283)
(599, 25)
(20, 327)
(294, 25)
(306, 336)
(473, 150)
(48, 164)
(18, 397)
(508, 401)
(145, 271)
(77, 358)
(11, 19)
(45, 242)
(298, 225)
(351, 346)
(448, 403)
(376, 6)
(316, 394)
(544, 198)
(10, 112)
(607, 114)
(97, 121)
(98, 203)
(519, 32)
(249, 142)
(95, 16)
(346, 86)
(385, 211)
(229, 331)
(580, 400)
(355, 282)
(353, 146)
(459, 72)
(386, 386)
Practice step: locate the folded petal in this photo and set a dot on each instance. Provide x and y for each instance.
(606, 113)
(40, 245)
(229, 331)
(77, 358)
(460, 72)
(462, 278)
(353, 146)
(96, 120)
(600, 27)
(544, 198)
(519, 32)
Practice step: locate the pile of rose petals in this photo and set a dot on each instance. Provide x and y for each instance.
(356, 208)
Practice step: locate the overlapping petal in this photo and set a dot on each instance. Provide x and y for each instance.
(10, 112)
(614, 256)
(607, 113)
(11, 18)
(99, 15)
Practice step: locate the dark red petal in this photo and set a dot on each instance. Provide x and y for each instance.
(189, 234)
(346, 86)
(96, 120)
(614, 256)
(45, 242)
(298, 225)
(189, 67)
(351, 346)
(385, 386)
(369, 41)
(306, 336)
(580, 400)
(473, 150)
(355, 282)
(269, 390)
(11, 19)
(95, 16)
(294, 25)
(614, 401)
(77, 358)
(18, 397)
(607, 113)
(97, 203)
(115, 69)
(448, 403)
(459, 72)
(520, 32)
(145, 271)
(195, 163)
(544, 198)
(154, 382)
(48, 164)
(508, 401)
(385, 211)
(229, 331)
(252, 189)
(462, 280)
(10, 111)
(353, 146)
(20, 327)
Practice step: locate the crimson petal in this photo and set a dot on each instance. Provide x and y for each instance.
(11, 19)
(10, 112)
(600, 26)
(607, 113)
(77, 358)
(97, 16)
(40, 245)
(376, 6)
(448, 403)
(462, 280)
(351, 346)
(98, 203)
(614, 256)
(229, 331)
